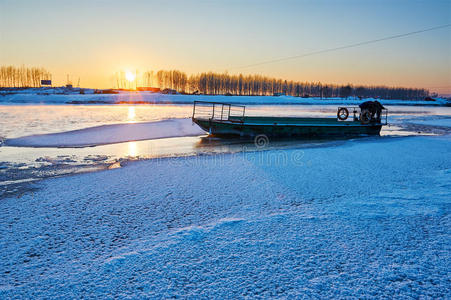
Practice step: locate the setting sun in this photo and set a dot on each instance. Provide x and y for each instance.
(130, 76)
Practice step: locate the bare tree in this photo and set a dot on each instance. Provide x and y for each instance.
(223, 83)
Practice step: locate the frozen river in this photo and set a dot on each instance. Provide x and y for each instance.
(117, 134)
(363, 218)
(22, 120)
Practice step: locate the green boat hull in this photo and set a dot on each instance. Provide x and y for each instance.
(287, 127)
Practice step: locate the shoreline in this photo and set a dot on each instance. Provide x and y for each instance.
(60, 169)
(38, 163)
(148, 98)
(23, 179)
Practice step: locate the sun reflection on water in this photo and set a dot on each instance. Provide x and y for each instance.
(132, 149)
(131, 114)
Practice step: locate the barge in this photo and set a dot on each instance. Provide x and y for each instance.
(229, 120)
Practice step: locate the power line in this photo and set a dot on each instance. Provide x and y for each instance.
(343, 47)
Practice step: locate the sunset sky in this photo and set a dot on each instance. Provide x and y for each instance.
(94, 39)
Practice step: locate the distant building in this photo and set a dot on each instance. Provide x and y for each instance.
(46, 83)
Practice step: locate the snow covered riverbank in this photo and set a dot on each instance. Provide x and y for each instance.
(364, 219)
(25, 97)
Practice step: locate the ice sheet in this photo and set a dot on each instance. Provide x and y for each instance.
(363, 219)
(109, 134)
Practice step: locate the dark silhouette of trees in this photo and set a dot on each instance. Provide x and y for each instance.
(257, 85)
(359, 91)
(11, 76)
(210, 83)
(346, 91)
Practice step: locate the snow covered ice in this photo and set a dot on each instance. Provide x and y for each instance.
(365, 218)
(361, 218)
(107, 134)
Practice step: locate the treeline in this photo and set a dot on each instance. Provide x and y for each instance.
(11, 76)
(256, 85)
(221, 84)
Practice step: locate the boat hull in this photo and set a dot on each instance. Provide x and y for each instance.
(327, 128)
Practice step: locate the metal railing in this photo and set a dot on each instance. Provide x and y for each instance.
(355, 115)
(205, 110)
(385, 111)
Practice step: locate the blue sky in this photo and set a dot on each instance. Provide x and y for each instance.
(94, 39)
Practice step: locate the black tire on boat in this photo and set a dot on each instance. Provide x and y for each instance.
(343, 113)
(365, 117)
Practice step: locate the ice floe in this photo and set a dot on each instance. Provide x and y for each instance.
(109, 134)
